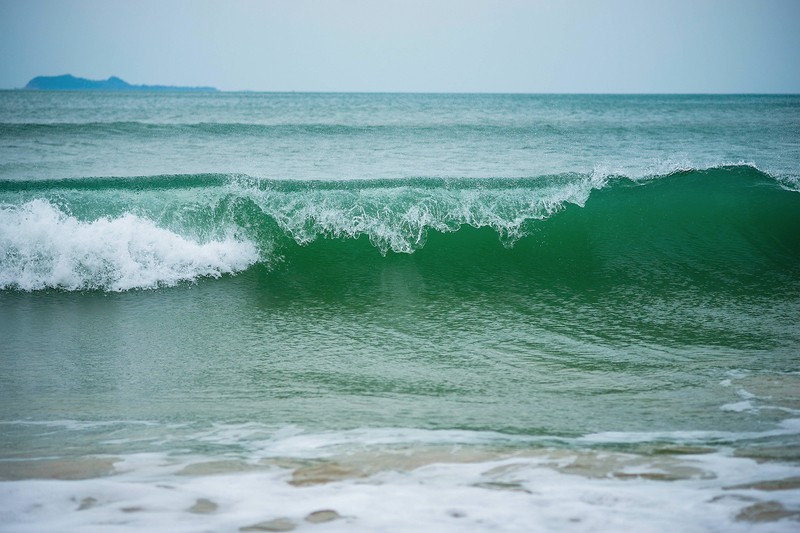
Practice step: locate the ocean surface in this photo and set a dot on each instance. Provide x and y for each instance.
(235, 311)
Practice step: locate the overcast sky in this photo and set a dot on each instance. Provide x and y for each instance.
(638, 46)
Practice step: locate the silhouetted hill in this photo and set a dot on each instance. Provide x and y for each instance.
(68, 82)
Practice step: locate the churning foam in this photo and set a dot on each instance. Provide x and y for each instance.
(43, 247)
(438, 490)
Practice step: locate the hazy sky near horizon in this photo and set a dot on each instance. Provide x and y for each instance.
(738, 46)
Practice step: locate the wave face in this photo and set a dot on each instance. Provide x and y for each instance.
(717, 226)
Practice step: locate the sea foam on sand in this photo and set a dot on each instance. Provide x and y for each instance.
(449, 488)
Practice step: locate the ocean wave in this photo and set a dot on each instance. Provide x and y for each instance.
(148, 232)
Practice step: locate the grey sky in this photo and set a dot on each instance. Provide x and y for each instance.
(410, 45)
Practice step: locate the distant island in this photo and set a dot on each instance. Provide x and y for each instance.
(68, 82)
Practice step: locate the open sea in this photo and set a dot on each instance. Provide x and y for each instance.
(399, 312)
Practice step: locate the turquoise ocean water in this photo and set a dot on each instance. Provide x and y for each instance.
(424, 312)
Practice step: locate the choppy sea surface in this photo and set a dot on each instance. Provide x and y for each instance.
(399, 312)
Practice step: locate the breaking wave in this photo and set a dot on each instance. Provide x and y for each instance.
(149, 232)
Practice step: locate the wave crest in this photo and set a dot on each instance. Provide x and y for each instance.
(398, 218)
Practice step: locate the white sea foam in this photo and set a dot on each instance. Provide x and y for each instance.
(738, 407)
(404, 479)
(545, 491)
(43, 247)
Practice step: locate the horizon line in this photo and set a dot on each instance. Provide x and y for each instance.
(487, 93)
